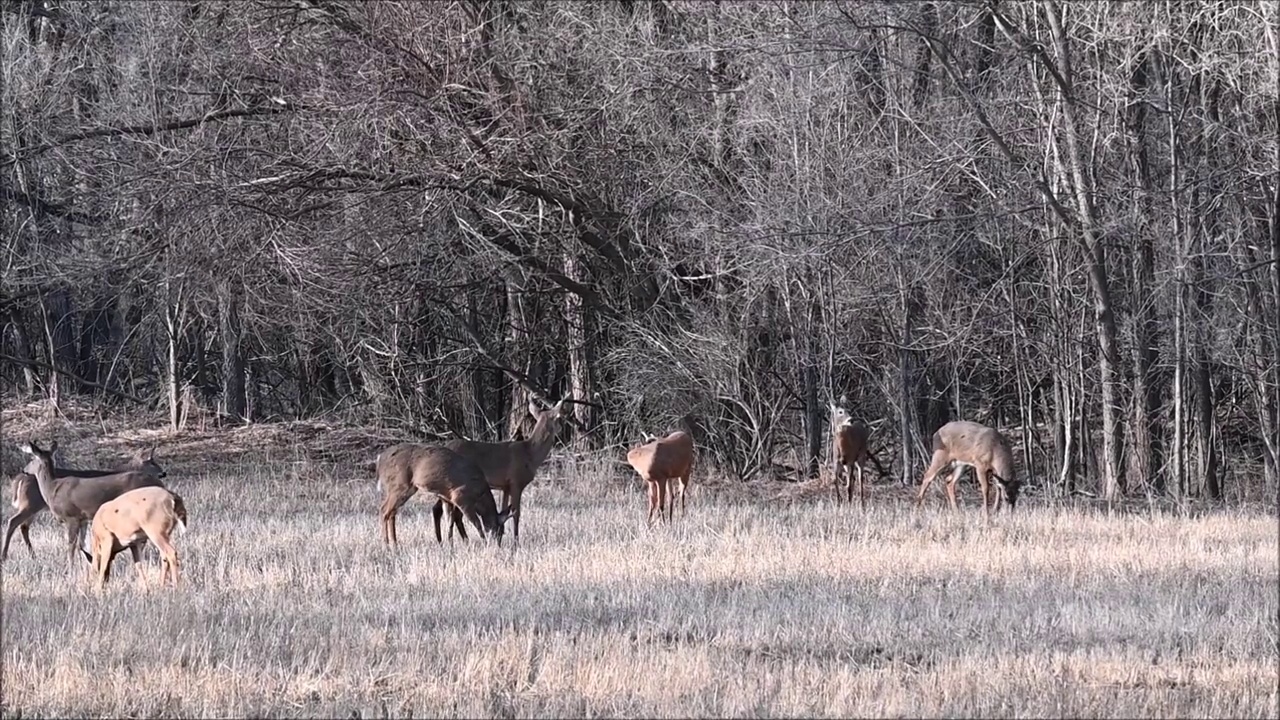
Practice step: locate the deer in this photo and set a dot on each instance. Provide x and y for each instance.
(851, 443)
(28, 502)
(129, 521)
(971, 444)
(510, 466)
(453, 478)
(659, 462)
(74, 498)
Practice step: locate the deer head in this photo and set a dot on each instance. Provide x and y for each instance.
(38, 456)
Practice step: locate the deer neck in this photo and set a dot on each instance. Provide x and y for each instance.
(540, 442)
(44, 481)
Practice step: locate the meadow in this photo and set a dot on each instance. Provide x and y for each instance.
(766, 600)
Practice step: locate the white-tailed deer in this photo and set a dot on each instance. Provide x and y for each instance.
(851, 445)
(455, 480)
(129, 521)
(28, 502)
(970, 444)
(75, 498)
(510, 466)
(660, 462)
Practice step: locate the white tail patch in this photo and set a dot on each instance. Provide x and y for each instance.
(378, 484)
(86, 542)
(182, 527)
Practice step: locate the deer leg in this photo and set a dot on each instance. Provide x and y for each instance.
(135, 553)
(515, 516)
(983, 488)
(26, 538)
(455, 518)
(951, 484)
(169, 559)
(835, 479)
(74, 533)
(437, 511)
(935, 466)
(391, 504)
(19, 520)
(101, 563)
(664, 499)
(862, 490)
(684, 488)
(653, 497)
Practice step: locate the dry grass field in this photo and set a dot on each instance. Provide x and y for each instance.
(767, 603)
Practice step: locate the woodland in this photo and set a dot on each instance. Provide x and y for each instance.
(1058, 219)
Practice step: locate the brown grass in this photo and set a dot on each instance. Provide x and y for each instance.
(751, 606)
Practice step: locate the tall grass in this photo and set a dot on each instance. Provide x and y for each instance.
(748, 606)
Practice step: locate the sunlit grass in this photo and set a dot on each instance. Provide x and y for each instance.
(291, 607)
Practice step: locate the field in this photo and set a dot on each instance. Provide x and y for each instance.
(763, 601)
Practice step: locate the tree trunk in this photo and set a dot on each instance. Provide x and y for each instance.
(22, 350)
(1146, 458)
(1096, 258)
(173, 328)
(578, 336)
(517, 342)
(230, 296)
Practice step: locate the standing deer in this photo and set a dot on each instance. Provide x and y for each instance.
(851, 443)
(129, 521)
(969, 444)
(28, 502)
(661, 461)
(510, 466)
(405, 469)
(75, 498)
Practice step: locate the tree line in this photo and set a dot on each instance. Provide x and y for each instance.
(1061, 220)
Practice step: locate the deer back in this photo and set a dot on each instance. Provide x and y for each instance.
(850, 441)
(664, 458)
(502, 463)
(975, 444)
(84, 495)
(150, 507)
(440, 471)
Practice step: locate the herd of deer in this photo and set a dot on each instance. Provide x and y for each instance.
(107, 511)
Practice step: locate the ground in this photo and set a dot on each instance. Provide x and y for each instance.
(764, 601)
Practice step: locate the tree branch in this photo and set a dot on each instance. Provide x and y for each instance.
(73, 376)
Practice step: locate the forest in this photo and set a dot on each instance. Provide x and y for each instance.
(1058, 219)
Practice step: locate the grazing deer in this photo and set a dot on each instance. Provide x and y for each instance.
(74, 498)
(969, 444)
(129, 521)
(510, 466)
(851, 442)
(28, 502)
(661, 461)
(405, 469)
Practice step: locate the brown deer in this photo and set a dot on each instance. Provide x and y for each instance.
(75, 498)
(28, 502)
(129, 521)
(510, 466)
(970, 444)
(851, 445)
(661, 461)
(406, 468)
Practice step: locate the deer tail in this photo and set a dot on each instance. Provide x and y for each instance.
(180, 510)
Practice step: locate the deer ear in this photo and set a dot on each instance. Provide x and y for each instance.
(533, 408)
(26, 448)
(559, 408)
